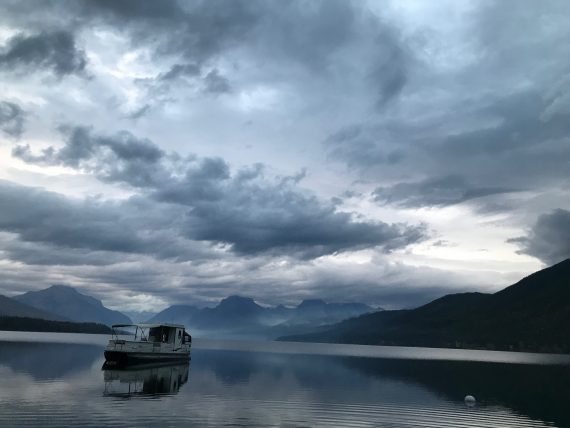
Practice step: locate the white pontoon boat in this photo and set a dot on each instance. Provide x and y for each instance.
(151, 342)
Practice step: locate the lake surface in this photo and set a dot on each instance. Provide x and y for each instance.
(57, 379)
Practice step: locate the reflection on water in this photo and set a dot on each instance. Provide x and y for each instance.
(47, 361)
(145, 380)
(63, 384)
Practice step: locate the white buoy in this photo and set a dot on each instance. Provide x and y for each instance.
(470, 400)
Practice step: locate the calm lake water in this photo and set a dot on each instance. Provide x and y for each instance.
(57, 379)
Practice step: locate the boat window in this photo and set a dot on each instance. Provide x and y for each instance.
(154, 334)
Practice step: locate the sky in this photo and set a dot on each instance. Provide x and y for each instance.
(385, 152)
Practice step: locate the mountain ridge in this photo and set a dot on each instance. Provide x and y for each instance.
(527, 315)
(67, 302)
(242, 316)
(13, 308)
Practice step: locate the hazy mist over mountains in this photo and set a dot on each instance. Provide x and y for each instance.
(240, 316)
(233, 317)
(531, 315)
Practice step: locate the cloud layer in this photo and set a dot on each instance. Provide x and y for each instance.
(245, 210)
(11, 119)
(549, 237)
(50, 51)
(189, 150)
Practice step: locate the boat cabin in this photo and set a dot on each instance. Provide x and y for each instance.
(174, 334)
(148, 342)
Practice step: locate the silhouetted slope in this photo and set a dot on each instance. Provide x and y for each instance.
(13, 308)
(42, 325)
(232, 312)
(533, 314)
(318, 312)
(178, 314)
(67, 302)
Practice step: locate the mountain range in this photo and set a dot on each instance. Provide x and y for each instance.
(68, 303)
(237, 316)
(13, 308)
(531, 315)
(233, 317)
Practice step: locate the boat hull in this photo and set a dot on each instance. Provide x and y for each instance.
(122, 358)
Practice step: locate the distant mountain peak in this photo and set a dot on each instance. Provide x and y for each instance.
(528, 315)
(312, 303)
(238, 302)
(237, 299)
(69, 303)
(62, 287)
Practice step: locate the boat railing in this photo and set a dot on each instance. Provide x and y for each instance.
(139, 333)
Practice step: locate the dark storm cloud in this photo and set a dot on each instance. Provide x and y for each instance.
(362, 147)
(195, 30)
(36, 215)
(11, 119)
(215, 83)
(39, 253)
(511, 147)
(391, 66)
(140, 112)
(53, 229)
(251, 213)
(549, 238)
(317, 39)
(180, 70)
(313, 41)
(320, 36)
(431, 192)
(496, 117)
(520, 149)
(520, 127)
(258, 219)
(122, 157)
(54, 51)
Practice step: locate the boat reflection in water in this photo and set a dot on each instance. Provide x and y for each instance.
(145, 379)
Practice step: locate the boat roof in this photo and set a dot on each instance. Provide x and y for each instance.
(150, 325)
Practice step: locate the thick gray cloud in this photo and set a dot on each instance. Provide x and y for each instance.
(215, 83)
(246, 210)
(308, 40)
(367, 146)
(495, 120)
(196, 30)
(36, 215)
(178, 71)
(511, 147)
(438, 191)
(423, 107)
(11, 118)
(549, 238)
(50, 51)
(53, 229)
(122, 157)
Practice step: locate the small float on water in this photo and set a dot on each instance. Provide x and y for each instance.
(151, 343)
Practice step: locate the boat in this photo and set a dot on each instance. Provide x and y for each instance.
(148, 343)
